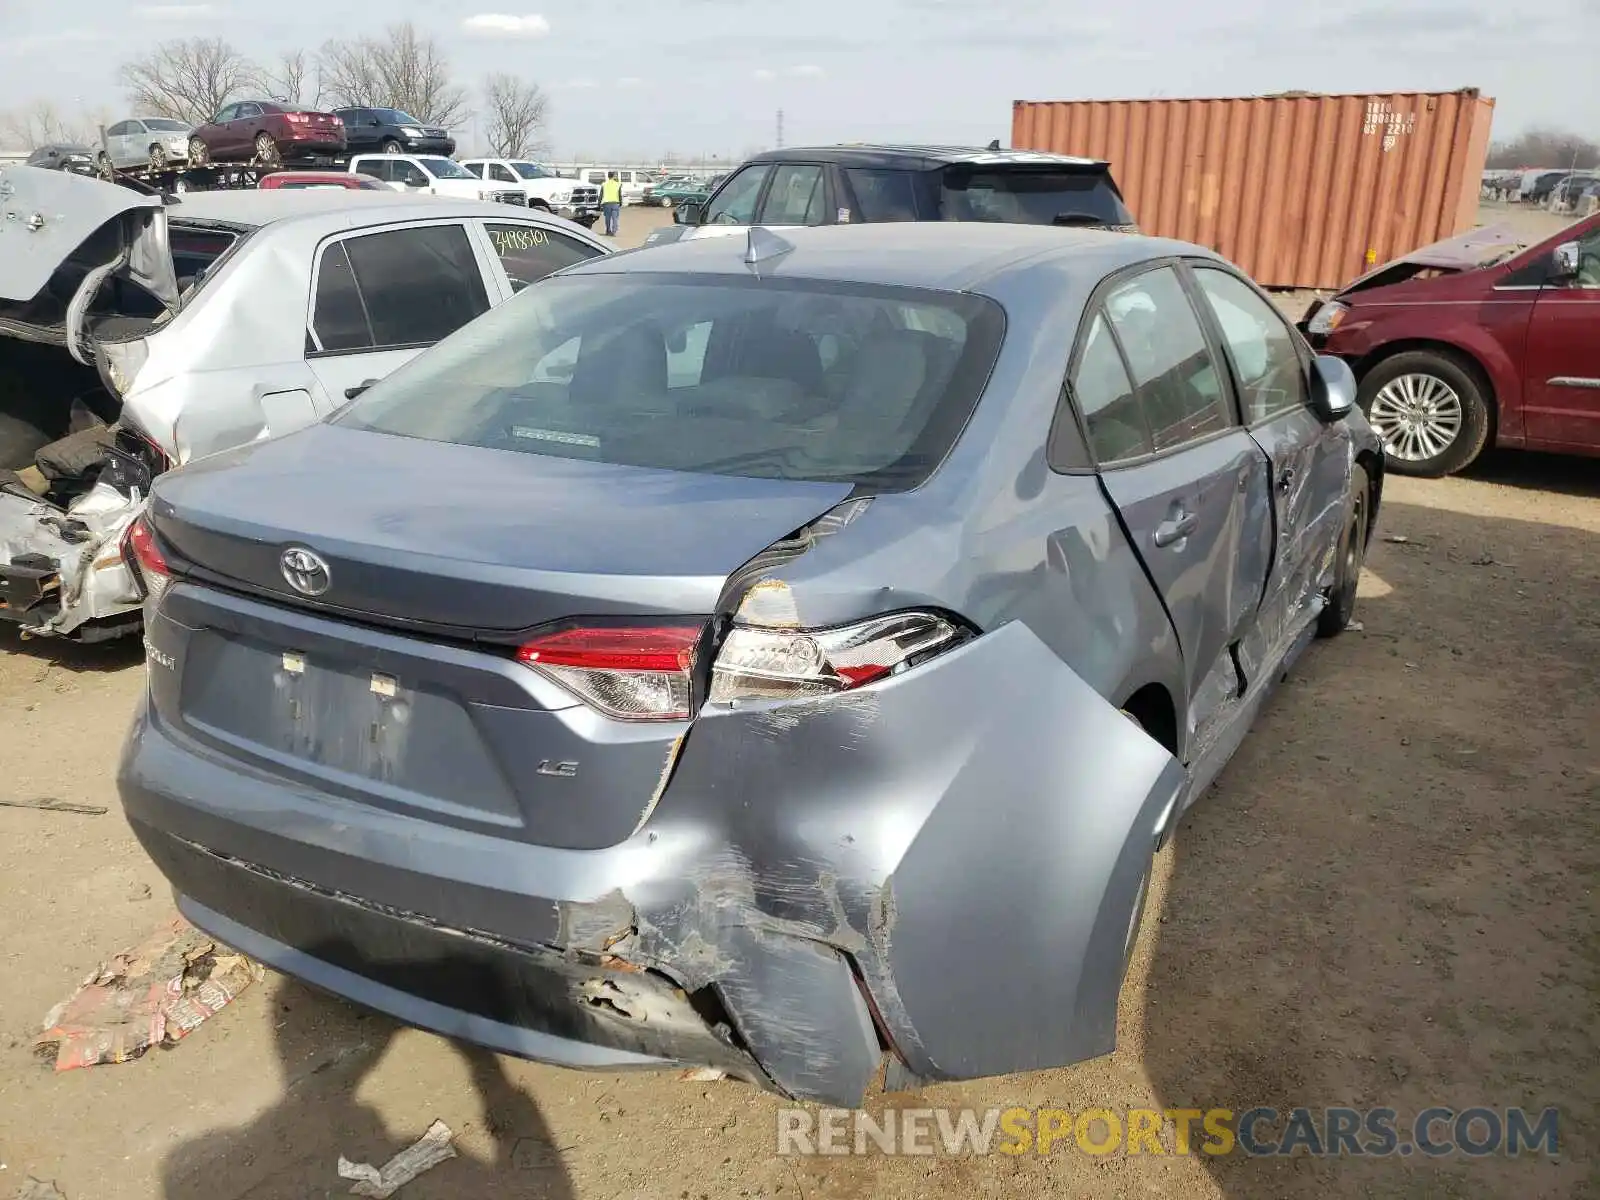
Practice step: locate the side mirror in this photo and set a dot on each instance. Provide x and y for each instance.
(687, 213)
(1333, 387)
(1564, 263)
(350, 393)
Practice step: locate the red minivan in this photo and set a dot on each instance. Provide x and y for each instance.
(1475, 342)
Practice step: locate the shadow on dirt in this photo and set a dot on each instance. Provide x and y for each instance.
(1562, 473)
(326, 1049)
(118, 654)
(1408, 917)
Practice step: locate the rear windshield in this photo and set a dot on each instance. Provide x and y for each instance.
(162, 125)
(772, 379)
(1030, 197)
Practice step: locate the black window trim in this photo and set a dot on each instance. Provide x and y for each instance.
(1068, 402)
(1192, 266)
(761, 192)
(318, 353)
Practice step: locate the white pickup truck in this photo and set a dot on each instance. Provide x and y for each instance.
(571, 198)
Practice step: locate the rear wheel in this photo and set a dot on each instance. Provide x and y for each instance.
(267, 150)
(158, 158)
(199, 153)
(1335, 618)
(390, 146)
(1429, 410)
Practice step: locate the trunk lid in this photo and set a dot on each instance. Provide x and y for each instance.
(464, 540)
(47, 216)
(468, 540)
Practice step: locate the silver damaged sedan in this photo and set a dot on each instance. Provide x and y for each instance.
(776, 653)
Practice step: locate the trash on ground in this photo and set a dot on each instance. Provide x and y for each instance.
(1356, 627)
(38, 1189)
(156, 993)
(51, 804)
(1399, 539)
(428, 1151)
(702, 1075)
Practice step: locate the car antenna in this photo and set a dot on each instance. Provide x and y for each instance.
(763, 244)
(994, 145)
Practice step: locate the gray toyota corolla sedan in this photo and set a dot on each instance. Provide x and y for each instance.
(725, 653)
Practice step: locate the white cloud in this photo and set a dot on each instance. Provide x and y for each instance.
(176, 12)
(630, 81)
(806, 71)
(578, 85)
(763, 75)
(528, 25)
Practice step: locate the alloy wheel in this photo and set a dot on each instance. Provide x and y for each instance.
(266, 150)
(158, 158)
(199, 153)
(1418, 417)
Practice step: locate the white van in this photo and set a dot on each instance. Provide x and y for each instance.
(633, 182)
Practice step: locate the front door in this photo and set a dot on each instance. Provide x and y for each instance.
(1561, 385)
(1309, 457)
(1190, 484)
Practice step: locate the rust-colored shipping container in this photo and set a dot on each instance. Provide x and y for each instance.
(1302, 191)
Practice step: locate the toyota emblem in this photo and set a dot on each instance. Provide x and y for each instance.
(305, 571)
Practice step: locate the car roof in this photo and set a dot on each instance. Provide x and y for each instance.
(943, 255)
(254, 208)
(918, 158)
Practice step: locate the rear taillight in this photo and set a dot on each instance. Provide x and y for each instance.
(646, 672)
(764, 663)
(298, 118)
(145, 560)
(634, 672)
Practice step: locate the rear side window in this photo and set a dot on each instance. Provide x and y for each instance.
(529, 253)
(1030, 197)
(405, 287)
(1266, 359)
(475, 168)
(1106, 398)
(766, 378)
(1179, 386)
(499, 174)
(884, 195)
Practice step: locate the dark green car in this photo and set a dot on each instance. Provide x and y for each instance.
(678, 191)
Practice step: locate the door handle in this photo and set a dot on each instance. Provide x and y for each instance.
(1175, 528)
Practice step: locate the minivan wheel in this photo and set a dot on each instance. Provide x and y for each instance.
(266, 150)
(1429, 410)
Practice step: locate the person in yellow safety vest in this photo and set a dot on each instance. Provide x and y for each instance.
(611, 202)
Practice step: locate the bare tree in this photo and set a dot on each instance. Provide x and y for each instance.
(188, 79)
(1546, 148)
(294, 77)
(43, 122)
(403, 69)
(514, 116)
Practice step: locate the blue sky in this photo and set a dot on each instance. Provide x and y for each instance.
(642, 77)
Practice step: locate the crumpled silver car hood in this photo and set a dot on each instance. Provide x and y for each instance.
(45, 216)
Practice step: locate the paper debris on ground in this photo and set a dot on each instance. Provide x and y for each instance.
(38, 1189)
(156, 993)
(702, 1075)
(428, 1151)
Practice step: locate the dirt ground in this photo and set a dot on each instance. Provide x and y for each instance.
(1387, 899)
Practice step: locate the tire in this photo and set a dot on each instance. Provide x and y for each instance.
(267, 151)
(1430, 411)
(665, 202)
(199, 153)
(390, 146)
(75, 455)
(19, 441)
(158, 158)
(1341, 607)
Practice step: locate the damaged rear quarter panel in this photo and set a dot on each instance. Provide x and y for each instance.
(972, 834)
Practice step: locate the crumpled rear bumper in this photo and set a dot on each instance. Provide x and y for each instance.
(941, 866)
(61, 573)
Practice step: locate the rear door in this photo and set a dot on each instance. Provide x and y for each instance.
(1309, 457)
(118, 143)
(377, 299)
(1188, 481)
(1561, 388)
